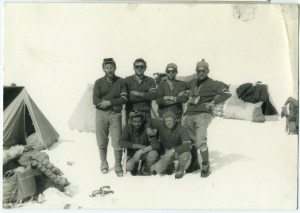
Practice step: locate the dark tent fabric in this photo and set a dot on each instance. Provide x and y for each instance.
(22, 117)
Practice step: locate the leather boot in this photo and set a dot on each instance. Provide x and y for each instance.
(118, 164)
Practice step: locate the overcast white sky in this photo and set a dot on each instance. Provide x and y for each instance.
(55, 50)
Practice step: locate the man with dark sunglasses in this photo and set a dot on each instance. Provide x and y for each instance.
(171, 93)
(141, 90)
(205, 93)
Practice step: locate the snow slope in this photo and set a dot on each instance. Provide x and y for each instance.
(55, 50)
(254, 166)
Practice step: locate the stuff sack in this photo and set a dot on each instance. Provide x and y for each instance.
(258, 116)
(18, 184)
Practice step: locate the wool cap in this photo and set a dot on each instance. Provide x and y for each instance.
(169, 114)
(202, 63)
(108, 61)
(136, 113)
(171, 66)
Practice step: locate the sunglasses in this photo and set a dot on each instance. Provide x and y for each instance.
(139, 66)
(171, 71)
(198, 71)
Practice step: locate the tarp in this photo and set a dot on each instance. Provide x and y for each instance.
(22, 117)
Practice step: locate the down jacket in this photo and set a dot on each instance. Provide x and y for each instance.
(40, 160)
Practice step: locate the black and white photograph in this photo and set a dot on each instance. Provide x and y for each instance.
(150, 106)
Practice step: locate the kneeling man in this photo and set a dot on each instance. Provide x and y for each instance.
(140, 144)
(176, 144)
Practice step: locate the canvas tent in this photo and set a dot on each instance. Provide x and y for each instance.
(22, 117)
(83, 117)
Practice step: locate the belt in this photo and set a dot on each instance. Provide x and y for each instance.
(106, 109)
(116, 109)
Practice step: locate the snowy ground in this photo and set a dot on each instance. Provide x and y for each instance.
(254, 166)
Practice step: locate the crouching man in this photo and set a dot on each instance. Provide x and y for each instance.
(176, 144)
(141, 144)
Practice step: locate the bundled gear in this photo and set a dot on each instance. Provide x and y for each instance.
(290, 111)
(18, 184)
(40, 160)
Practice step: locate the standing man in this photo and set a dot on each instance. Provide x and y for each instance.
(171, 94)
(205, 93)
(141, 90)
(108, 96)
(140, 144)
(176, 143)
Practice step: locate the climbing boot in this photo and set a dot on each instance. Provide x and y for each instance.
(205, 170)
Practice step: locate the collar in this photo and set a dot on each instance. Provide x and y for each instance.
(139, 131)
(110, 81)
(135, 78)
(171, 82)
(174, 129)
(201, 81)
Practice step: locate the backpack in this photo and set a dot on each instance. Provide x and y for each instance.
(18, 184)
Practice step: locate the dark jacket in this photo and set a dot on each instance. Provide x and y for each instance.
(256, 93)
(165, 90)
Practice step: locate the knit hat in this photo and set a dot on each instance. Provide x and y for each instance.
(171, 66)
(202, 63)
(108, 61)
(136, 113)
(169, 114)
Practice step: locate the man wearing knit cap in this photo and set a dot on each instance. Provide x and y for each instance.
(176, 143)
(140, 144)
(141, 90)
(108, 96)
(205, 93)
(171, 94)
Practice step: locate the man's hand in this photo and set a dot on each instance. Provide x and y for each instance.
(169, 98)
(169, 155)
(136, 157)
(194, 100)
(104, 104)
(151, 132)
(210, 105)
(136, 93)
